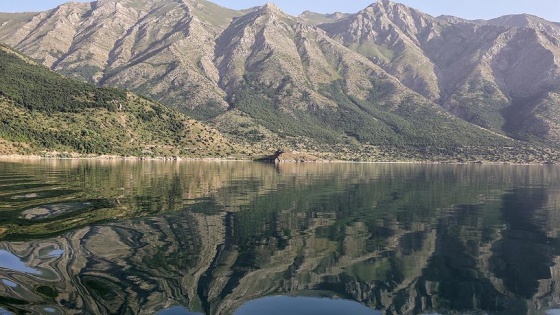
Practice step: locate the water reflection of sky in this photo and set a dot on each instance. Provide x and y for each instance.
(53, 210)
(4, 312)
(56, 253)
(9, 283)
(281, 305)
(12, 262)
(27, 196)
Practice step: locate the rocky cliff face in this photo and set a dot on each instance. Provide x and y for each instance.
(391, 35)
(501, 75)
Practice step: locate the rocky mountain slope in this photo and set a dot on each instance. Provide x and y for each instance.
(387, 75)
(500, 74)
(42, 111)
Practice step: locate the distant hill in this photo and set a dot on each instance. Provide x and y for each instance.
(43, 112)
(386, 78)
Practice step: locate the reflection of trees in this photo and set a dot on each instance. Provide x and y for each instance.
(402, 239)
(525, 254)
(110, 189)
(454, 278)
(503, 271)
(401, 261)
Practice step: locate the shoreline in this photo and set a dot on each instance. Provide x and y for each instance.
(113, 158)
(116, 158)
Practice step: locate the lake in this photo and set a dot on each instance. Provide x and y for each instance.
(246, 238)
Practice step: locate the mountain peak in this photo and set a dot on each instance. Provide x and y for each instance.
(271, 7)
(383, 7)
(338, 15)
(405, 17)
(384, 4)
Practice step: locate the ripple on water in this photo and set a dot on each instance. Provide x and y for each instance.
(52, 210)
(45, 309)
(50, 252)
(24, 186)
(33, 195)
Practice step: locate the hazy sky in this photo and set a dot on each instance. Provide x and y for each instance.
(469, 9)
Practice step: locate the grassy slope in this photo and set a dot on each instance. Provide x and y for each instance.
(408, 124)
(43, 111)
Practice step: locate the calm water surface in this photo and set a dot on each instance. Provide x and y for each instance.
(85, 237)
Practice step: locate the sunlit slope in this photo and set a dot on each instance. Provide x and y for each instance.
(43, 111)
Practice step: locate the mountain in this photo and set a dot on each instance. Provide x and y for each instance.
(149, 46)
(298, 82)
(43, 112)
(390, 34)
(501, 74)
(387, 76)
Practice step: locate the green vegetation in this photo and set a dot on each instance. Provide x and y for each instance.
(46, 291)
(367, 130)
(352, 83)
(42, 111)
(261, 106)
(371, 50)
(411, 123)
(38, 88)
(482, 104)
(85, 73)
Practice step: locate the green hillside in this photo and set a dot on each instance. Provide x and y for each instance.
(42, 111)
(411, 123)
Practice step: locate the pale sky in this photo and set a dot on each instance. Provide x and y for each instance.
(468, 9)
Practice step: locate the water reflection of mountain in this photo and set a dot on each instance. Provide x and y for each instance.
(401, 239)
